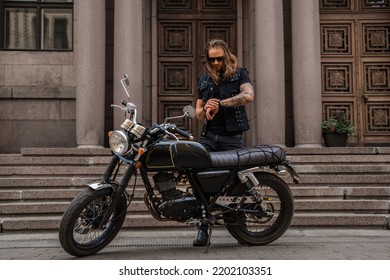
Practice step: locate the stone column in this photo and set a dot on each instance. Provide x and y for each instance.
(269, 63)
(128, 55)
(306, 69)
(89, 47)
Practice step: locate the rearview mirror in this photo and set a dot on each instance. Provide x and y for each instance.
(126, 79)
(189, 111)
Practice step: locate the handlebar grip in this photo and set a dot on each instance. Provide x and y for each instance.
(185, 134)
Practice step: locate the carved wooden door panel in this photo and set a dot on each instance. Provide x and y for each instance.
(355, 49)
(184, 27)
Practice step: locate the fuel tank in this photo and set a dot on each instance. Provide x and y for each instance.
(169, 155)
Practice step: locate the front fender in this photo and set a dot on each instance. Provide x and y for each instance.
(102, 185)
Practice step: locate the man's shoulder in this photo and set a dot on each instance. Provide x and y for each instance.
(242, 69)
(203, 79)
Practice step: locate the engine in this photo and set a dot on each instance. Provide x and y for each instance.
(174, 203)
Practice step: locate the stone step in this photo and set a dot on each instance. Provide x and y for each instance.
(341, 220)
(344, 179)
(339, 159)
(48, 208)
(48, 194)
(51, 181)
(330, 206)
(10, 224)
(325, 169)
(310, 192)
(76, 180)
(338, 151)
(65, 151)
(41, 171)
(289, 151)
(104, 159)
(350, 192)
(344, 206)
(69, 170)
(20, 160)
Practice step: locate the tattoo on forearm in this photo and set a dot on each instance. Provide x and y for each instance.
(238, 100)
(247, 88)
(246, 95)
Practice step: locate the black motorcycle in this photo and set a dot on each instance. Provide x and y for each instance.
(240, 189)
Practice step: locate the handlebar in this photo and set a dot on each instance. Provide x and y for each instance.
(175, 129)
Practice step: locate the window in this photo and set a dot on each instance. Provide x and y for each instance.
(36, 24)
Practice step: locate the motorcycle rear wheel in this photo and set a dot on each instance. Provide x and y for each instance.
(79, 233)
(259, 229)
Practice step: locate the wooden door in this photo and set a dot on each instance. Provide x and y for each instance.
(184, 27)
(355, 49)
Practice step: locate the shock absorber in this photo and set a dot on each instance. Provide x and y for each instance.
(249, 180)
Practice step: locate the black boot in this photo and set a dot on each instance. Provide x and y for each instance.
(202, 237)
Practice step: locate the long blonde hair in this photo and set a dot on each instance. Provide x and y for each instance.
(230, 60)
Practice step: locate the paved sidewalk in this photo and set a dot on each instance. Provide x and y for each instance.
(295, 244)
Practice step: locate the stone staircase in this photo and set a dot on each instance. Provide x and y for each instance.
(340, 187)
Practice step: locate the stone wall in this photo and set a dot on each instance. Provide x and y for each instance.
(37, 100)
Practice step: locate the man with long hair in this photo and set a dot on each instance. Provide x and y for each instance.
(222, 95)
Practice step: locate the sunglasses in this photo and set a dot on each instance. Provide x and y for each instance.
(219, 59)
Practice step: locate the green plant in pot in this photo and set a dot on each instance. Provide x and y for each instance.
(336, 130)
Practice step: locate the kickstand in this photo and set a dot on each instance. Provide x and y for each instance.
(206, 250)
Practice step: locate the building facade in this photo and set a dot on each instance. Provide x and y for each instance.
(61, 63)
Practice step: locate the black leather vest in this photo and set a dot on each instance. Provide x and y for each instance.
(235, 117)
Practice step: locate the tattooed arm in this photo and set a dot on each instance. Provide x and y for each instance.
(245, 96)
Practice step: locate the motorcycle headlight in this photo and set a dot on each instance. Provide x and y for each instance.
(119, 142)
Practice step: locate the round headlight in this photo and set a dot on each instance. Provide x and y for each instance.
(119, 142)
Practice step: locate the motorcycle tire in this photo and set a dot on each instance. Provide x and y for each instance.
(79, 233)
(264, 229)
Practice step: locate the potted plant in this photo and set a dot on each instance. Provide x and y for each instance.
(336, 130)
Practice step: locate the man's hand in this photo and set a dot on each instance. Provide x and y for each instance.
(212, 108)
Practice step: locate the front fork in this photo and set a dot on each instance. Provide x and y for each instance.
(117, 194)
(110, 168)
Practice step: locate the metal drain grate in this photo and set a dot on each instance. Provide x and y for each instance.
(119, 246)
(167, 245)
(31, 247)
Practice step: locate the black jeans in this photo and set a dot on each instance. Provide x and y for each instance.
(215, 142)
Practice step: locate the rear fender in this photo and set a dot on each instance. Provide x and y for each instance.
(286, 167)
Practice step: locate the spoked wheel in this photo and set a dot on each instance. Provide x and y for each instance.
(261, 223)
(79, 233)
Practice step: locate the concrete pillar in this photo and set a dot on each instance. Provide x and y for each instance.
(306, 69)
(128, 55)
(89, 47)
(270, 81)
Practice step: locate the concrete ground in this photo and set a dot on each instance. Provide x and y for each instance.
(295, 244)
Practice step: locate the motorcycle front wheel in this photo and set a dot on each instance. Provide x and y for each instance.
(261, 223)
(79, 232)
